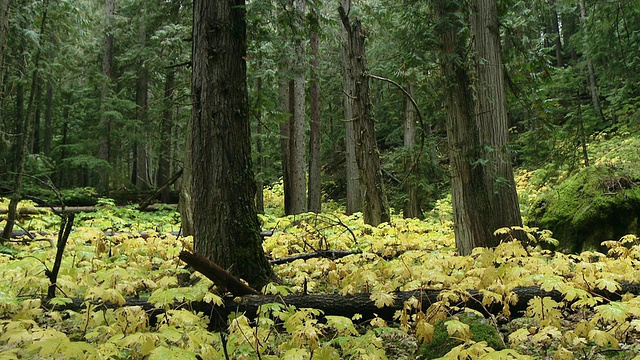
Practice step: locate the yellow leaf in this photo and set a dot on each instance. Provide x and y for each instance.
(296, 354)
(602, 338)
(614, 311)
(458, 330)
(519, 336)
(607, 284)
(382, 299)
(563, 354)
(424, 331)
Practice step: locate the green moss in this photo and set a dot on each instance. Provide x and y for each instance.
(442, 343)
(598, 203)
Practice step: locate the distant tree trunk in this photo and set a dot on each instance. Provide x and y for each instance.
(48, 120)
(140, 172)
(186, 204)
(4, 29)
(35, 139)
(23, 146)
(285, 96)
(107, 73)
(411, 204)
(226, 226)
(469, 193)
(260, 165)
(555, 27)
(593, 86)
(166, 123)
(375, 208)
(354, 183)
(315, 176)
(298, 136)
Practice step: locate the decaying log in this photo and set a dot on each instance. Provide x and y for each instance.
(218, 275)
(335, 304)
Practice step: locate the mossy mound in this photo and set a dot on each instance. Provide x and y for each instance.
(598, 203)
(442, 343)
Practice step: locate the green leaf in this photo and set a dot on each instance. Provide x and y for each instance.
(174, 353)
(382, 299)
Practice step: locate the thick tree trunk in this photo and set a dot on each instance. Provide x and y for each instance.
(468, 187)
(492, 118)
(315, 176)
(375, 207)
(226, 226)
(354, 185)
(411, 204)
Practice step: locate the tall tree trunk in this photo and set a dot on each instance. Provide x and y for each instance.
(285, 96)
(375, 208)
(140, 172)
(555, 27)
(492, 118)
(48, 120)
(468, 187)
(226, 226)
(354, 183)
(315, 176)
(593, 86)
(23, 146)
(260, 165)
(4, 30)
(411, 204)
(105, 152)
(166, 123)
(298, 137)
(35, 139)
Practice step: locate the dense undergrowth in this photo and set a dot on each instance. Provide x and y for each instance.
(406, 254)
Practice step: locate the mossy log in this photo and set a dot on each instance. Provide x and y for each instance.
(30, 210)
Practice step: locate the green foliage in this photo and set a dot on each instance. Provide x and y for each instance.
(465, 328)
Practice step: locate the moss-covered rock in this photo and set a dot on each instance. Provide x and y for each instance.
(598, 203)
(442, 343)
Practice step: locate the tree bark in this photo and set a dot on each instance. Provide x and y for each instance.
(48, 119)
(226, 226)
(375, 207)
(492, 118)
(353, 185)
(315, 175)
(468, 187)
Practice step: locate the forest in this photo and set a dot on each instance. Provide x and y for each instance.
(321, 180)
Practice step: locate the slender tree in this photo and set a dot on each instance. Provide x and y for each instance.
(226, 226)
(411, 204)
(297, 140)
(315, 179)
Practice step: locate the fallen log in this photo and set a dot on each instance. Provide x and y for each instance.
(329, 254)
(30, 210)
(361, 303)
(146, 202)
(218, 275)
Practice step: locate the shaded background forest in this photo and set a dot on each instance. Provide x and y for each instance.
(103, 89)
